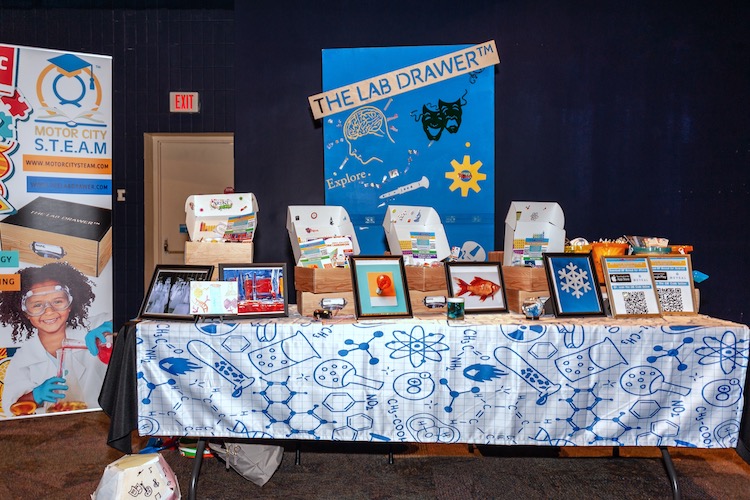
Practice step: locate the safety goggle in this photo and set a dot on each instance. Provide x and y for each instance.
(35, 303)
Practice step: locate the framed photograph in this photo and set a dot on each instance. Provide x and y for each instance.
(573, 284)
(479, 283)
(213, 298)
(168, 295)
(673, 277)
(261, 288)
(630, 286)
(380, 289)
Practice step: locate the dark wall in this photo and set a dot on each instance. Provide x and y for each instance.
(632, 115)
(155, 51)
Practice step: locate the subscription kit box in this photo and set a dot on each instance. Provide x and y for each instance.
(322, 236)
(47, 230)
(221, 217)
(416, 233)
(532, 228)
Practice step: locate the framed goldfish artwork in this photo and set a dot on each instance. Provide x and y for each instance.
(480, 284)
(573, 284)
(380, 288)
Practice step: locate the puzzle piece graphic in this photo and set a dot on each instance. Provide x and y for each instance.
(6, 127)
(17, 105)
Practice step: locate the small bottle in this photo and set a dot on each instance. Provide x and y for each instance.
(455, 308)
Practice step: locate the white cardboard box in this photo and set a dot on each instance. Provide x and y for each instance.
(312, 222)
(416, 233)
(534, 226)
(221, 217)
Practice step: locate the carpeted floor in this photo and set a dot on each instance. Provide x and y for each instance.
(64, 457)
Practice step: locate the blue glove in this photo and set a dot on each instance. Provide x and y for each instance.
(46, 390)
(98, 333)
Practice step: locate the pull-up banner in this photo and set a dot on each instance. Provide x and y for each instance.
(55, 230)
(404, 80)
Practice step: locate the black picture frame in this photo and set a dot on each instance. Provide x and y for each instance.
(374, 298)
(261, 288)
(631, 288)
(573, 284)
(481, 284)
(168, 294)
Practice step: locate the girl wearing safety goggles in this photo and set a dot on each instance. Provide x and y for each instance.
(49, 312)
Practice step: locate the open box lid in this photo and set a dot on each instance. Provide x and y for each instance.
(221, 217)
(532, 227)
(416, 233)
(318, 222)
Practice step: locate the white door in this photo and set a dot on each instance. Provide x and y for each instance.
(177, 166)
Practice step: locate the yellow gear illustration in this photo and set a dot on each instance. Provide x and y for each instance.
(465, 176)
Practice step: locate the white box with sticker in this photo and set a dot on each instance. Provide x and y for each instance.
(221, 217)
(416, 233)
(532, 228)
(321, 233)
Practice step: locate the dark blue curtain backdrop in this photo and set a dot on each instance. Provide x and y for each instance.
(632, 115)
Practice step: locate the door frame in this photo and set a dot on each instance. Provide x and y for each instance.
(152, 187)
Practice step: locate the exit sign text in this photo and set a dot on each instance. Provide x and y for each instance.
(184, 102)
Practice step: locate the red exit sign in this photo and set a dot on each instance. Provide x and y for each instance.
(184, 102)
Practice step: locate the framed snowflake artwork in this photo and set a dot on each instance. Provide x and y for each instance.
(573, 285)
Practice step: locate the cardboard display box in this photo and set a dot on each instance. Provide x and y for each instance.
(416, 233)
(307, 302)
(221, 217)
(310, 222)
(206, 253)
(335, 279)
(425, 278)
(530, 229)
(48, 230)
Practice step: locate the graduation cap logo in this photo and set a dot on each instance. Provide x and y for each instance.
(70, 66)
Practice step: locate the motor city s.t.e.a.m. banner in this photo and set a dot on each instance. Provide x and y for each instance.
(411, 126)
(55, 229)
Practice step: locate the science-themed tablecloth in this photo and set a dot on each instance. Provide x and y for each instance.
(491, 379)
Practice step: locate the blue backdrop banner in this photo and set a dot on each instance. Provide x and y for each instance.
(432, 146)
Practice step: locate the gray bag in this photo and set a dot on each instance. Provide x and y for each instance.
(254, 462)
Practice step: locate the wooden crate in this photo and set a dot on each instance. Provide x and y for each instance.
(495, 256)
(307, 302)
(336, 279)
(516, 297)
(532, 279)
(417, 301)
(425, 278)
(205, 253)
(47, 230)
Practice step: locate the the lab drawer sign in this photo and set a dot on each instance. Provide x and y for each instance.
(411, 126)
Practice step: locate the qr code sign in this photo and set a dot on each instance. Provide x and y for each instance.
(670, 299)
(635, 303)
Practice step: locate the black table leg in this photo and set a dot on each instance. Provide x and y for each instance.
(671, 472)
(200, 446)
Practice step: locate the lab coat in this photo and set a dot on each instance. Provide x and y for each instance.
(31, 365)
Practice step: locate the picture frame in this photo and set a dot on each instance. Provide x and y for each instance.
(573, 284)
(380, 287)
(168, 294)
(673, 277)
(481, 284)
(261, 288)
(630, 286)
